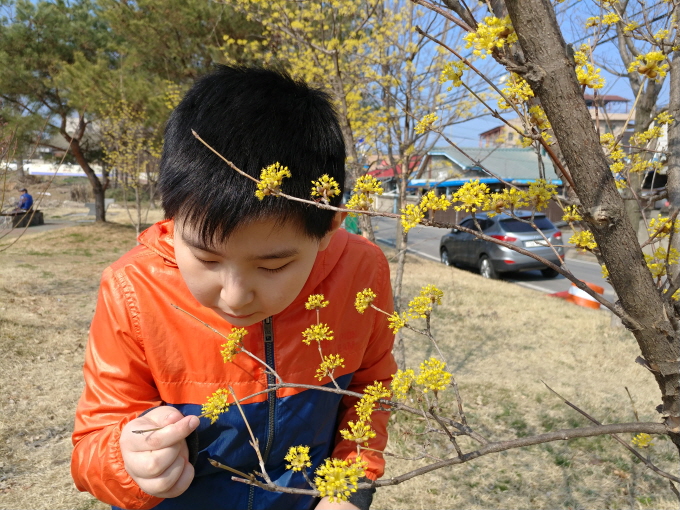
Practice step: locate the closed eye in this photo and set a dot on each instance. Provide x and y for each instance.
(275, 270)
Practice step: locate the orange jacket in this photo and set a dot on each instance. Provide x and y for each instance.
(142, 353)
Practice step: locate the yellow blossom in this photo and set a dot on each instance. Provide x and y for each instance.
(584, 240)
(317, 333)
(271, 179)
(472, 196)
(364, 299)
(396, 322)
(508, 199)
(366, 404)
(411, 216)
(605, 271)
(540, 193)
(402, 382)
(657, 261)
(538, 118)
(216, 405)
(571, 214)
(368, 184)
(337, 479)
(328, 365)
(433, 376)
(586, 73)
(633, 25)
(648, 65)
(663, 226)
(359, 432)
(360, 202)
(325, 188)
(316, 302)
(517, 91)
(425, 123)
(643, 440)
(233, 345)
(298, 458)
(453, 71)
(491, 33)
(432, 202)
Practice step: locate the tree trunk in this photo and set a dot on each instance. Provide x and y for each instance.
(550, 72)
(98, 189)
(673, 173)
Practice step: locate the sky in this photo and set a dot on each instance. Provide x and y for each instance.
(572, 15)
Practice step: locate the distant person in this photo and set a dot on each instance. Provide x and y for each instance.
(25, 201)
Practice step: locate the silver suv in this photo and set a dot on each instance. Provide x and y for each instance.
(459, 248)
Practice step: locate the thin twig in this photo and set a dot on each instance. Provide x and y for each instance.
(452, 438)
(253, 440)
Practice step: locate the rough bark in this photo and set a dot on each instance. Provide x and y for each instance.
(550, 72)
(673, 184)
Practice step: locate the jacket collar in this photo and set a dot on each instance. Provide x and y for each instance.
(159, 238)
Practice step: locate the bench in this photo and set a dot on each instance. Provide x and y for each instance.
(93, 207)
(21, 219)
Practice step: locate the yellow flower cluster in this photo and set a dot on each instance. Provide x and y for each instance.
(633, 25)
(491, 33)
(433, 376)
(648, 65)
(664, 226)
(368, 184)
(325, 188)
(540, 193)
(365, 186)
(586, 73)
(173, 95)
(419, 307)
(538, 118)
(216, 405)
(298, 458)
(337, 479)
(584, 240)
(508, 199)
(472, 196)
(317, 333)
(316, 302)
(571, 214)
(608, 19)
(233, 345)
(412, 214)
(425, 123)
(643, 440)
(328, 365)
(364, 299)
(656, 262)
(453, 71)
(359, 432)
(271, 179)
(402, 382)
(366, 404)
(517, 91)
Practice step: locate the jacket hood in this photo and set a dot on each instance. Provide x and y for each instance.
(160, 239)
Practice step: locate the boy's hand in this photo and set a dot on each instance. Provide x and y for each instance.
(325, 504)
(159, 461)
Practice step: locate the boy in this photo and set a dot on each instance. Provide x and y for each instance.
(232, 261)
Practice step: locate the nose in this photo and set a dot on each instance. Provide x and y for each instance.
(236, 293)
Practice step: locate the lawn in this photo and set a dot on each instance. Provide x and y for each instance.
(501, 341)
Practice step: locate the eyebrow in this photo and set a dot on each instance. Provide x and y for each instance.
(280, 254)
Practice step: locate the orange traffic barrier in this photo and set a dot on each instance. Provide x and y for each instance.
(580, 297)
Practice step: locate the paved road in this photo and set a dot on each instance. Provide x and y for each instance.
(424, 241)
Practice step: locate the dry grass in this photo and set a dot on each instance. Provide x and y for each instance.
(500, 339)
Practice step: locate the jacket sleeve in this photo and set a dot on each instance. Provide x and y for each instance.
(118, 388)
(378, 365)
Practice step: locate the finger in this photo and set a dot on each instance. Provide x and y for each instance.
(152, 463)
(179, 477)
(169, 435)
(165, 481)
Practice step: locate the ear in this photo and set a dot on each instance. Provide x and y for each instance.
(335, 225)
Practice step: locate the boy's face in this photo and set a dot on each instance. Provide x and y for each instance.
(257, 273)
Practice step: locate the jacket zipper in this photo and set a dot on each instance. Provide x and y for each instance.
(267, 325)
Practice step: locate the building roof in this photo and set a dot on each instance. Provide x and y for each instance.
(603, 100)
(509, 164)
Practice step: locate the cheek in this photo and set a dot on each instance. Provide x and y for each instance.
(202, 284)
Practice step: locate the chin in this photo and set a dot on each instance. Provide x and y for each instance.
(241, 322)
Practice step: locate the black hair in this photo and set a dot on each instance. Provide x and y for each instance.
(253, 117)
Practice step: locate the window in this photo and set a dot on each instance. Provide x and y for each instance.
(512, 225)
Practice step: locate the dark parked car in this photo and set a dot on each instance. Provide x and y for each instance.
(459, 248)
